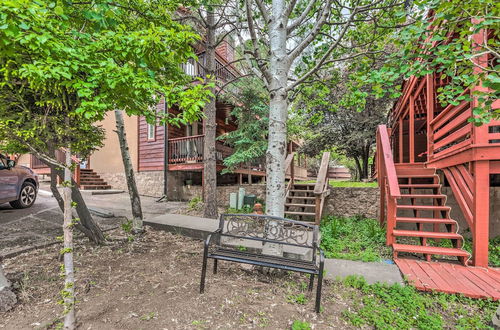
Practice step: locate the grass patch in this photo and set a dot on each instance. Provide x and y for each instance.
(403, 307)
(353, 238)
(352, 184)
(346, 184)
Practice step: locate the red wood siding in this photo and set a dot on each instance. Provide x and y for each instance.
(151, 151)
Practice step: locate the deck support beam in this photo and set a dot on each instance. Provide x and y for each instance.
(481, 213)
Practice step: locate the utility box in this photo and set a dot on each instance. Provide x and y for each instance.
(249, 200)
(233, 200)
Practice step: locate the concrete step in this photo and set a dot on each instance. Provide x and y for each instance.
(95, 187)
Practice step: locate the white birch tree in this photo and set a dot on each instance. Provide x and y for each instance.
(290, 41)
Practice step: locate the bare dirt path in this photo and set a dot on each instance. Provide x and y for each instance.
(152, 283)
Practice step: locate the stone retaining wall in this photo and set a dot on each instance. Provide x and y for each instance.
(341, 201)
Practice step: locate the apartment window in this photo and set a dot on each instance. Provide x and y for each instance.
(151, 132)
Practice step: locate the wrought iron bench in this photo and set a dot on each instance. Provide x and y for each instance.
(261, 234)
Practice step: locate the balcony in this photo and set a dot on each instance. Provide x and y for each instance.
(195, 69)
(186, 153)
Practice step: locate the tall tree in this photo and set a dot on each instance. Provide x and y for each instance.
(291, 41)
(135, 199)
(69, 63)
(212, 18)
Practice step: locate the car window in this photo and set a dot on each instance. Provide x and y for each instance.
(3, 163)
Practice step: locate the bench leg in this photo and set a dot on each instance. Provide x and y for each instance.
(203, 273)
(311, 282)
(320, 283)
(215, 266)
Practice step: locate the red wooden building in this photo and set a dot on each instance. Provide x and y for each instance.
(423, 147)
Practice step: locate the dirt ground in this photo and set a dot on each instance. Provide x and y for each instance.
(153, 283)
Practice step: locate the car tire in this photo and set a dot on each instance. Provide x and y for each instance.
(27, 196)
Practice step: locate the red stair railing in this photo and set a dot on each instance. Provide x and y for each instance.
(387, 181)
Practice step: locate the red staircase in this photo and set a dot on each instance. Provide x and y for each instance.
(90, 180)
(423, 205)
(416, 208)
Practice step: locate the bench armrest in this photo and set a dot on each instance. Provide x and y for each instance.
(209, 237)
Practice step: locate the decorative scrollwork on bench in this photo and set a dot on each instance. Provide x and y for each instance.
(268, 229)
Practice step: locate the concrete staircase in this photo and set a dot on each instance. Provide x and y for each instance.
(89, 180)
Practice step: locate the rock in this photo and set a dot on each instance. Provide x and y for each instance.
(496, 319)
(7, 299)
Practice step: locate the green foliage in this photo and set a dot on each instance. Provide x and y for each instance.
(63, 65)
(127, 226)
(353, 238)
(195, 203)
(403, 307)
(454, 60)
(346, 184)
(299, 298)
(246, 209)
(251, 112)
(301, 325)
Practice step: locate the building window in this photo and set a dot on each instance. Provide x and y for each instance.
(151, 132)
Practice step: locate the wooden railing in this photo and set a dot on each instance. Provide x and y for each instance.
(321, 186)
(387, 181)
(290, 167)
(450, 130)
(196, 69)
(188, 149)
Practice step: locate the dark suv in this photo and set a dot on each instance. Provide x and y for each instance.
(18, 184)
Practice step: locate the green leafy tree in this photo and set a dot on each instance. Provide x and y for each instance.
(251, 112)
(64, 65)
(459, 41)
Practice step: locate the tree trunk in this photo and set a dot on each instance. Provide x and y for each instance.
(278, 111)
(358, 169)
(135, 200)
(69, 280)
(278, 108)
(366, 158)
(86, 225)
(210, 125)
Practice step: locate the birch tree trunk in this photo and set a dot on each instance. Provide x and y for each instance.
(135, 200)
(87, 224)
(209, 151)
(69, 281)
(276, 150)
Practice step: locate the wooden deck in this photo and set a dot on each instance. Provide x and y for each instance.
(474, 282)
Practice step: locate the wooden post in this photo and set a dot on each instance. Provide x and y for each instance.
(381, 181)
(411, 129)
(481, 213)
(430, 114)
(391, 220)
(401, 140)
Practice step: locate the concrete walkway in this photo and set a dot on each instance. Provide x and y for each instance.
(199, 228)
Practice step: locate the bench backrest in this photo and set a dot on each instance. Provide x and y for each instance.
(270, 229)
